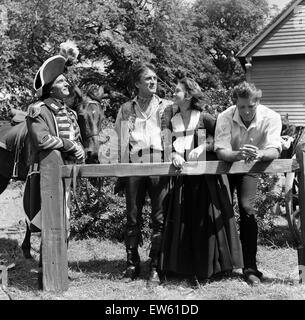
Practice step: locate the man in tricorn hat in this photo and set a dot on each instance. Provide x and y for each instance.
(51, 125)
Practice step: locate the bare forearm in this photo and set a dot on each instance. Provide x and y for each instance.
(261, 155)
(268, 154)
(228, 155)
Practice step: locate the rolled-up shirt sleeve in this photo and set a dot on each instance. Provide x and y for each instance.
(273, 133)
(222, 139)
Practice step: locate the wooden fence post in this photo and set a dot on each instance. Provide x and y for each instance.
(301, 249)
(53, 235)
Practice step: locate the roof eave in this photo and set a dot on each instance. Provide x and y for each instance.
(256, 40)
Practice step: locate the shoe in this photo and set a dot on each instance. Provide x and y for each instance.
(132, 272)
(194, 282)
(133, 264)
(253, 277)
(154, 276)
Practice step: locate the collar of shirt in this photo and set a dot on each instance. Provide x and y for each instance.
(257, 118)
(54, 104)
(153, 105)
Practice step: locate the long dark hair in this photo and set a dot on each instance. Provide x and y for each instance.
(198, 100)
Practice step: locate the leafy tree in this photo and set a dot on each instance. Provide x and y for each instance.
(199, 40)
(162, 34)
(229, 24)
(110, 34)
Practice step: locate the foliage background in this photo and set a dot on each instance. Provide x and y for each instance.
(199, 39)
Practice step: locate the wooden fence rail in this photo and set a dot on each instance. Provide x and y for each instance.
(53, 173)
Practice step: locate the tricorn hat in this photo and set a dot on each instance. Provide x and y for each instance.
(48, 72)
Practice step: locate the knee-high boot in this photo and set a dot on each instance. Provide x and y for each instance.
(133, 264)
(154, 254)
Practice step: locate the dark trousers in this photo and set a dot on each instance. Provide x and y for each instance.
(136, 188)
(245, 186)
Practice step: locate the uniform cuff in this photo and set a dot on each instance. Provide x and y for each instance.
(68, 145)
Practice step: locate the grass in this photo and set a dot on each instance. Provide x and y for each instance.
(95, 268)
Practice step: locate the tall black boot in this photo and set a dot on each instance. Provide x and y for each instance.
(133, 264)
(153, 277)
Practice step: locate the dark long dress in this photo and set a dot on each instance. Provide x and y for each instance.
(200, 233)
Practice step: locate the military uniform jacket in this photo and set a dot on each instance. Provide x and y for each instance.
(43, 131)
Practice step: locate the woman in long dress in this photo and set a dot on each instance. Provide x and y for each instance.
(200, 236)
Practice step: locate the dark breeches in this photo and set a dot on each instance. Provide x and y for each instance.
(245, 186)
(136, 188)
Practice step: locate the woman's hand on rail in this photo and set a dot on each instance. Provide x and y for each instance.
(177, 160)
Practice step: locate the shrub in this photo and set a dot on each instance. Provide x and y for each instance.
(4, 112)
(102, 214)
(268, 194)
(219, 100)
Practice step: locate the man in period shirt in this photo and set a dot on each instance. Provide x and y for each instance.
(248, 131)
(138, 126)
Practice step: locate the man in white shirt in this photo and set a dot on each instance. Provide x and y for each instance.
(248, 131)
(138, 126)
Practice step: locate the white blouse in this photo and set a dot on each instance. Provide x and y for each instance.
(184, 142)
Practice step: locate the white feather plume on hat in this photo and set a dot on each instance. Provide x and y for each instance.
(69, 50)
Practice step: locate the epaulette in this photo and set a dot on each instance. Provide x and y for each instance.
(52, 104)
(34, 109)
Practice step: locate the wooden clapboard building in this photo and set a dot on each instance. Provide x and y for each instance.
(275, 61)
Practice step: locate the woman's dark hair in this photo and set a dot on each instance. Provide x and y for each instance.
(138, 70)
(246, 90)
(198, 100)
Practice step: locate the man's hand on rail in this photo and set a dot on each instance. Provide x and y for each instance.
(253, 153)
(79, 153)
(249, 152)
